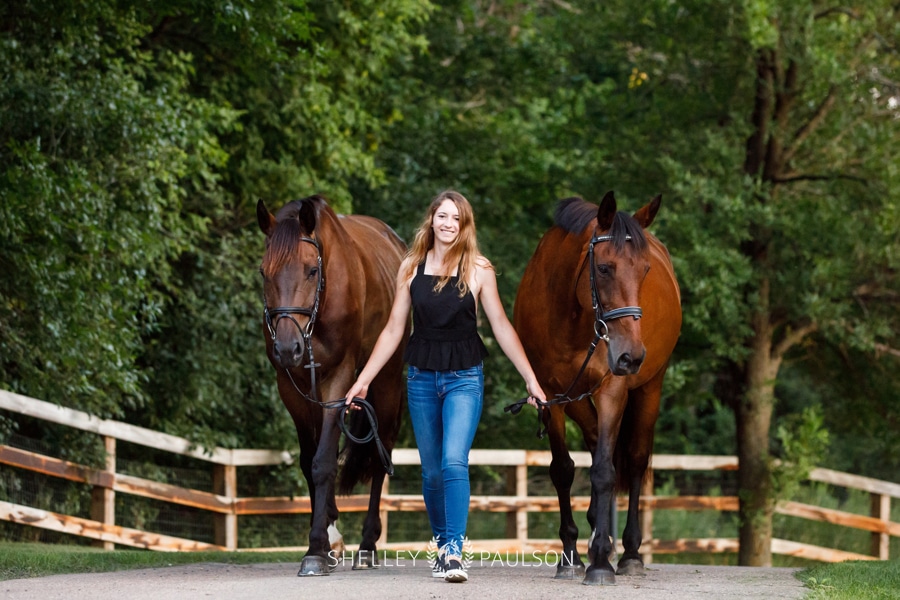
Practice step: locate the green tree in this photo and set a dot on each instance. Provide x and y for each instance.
(822, 242)
(785, 235)
(308, 82)
(136, 140)
(101, 145)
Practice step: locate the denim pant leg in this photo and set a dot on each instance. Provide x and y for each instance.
(445, 407)
(463, 393)
(425, 411)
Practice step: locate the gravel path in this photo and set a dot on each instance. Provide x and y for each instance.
(404, 580)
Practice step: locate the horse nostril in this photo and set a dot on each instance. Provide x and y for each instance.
(628, 364)
(288, 354)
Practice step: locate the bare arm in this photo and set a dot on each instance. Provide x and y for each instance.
(387, 341)
(504, 332)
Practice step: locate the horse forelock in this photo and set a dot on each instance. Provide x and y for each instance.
(575, 215)
(626, 232)
(284, 244)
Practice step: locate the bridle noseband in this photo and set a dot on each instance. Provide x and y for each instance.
(286, 312)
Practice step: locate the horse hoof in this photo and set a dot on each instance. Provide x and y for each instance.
(312, 566)
(569, 572)
(365, 560)
(599, 577)
(630, 566)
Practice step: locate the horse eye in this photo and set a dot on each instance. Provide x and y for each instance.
(604, 269)
(313, 272)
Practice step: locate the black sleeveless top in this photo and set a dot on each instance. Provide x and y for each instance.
(444, 334)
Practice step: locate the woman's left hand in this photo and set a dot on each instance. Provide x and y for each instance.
(536, 395)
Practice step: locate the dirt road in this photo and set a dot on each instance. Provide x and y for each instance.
(403, 581)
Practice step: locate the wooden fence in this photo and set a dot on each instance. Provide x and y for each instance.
(227, 506)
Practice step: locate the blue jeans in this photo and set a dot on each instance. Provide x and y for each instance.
(445, 407)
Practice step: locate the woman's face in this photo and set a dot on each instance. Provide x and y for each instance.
(445, 222)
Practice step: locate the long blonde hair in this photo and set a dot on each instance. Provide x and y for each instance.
(463, 253)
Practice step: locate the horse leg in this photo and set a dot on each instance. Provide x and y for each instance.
(305, 460)
(603, 484)
(562, 474)
(631, 563)
(643, 412)
(367, 557)
(318, 559)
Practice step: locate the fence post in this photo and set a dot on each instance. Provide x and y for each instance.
(103, 499)
(517, 520)
(880, 509)
(522, 512)
(646, 516)
(511, 488)
(225, 484)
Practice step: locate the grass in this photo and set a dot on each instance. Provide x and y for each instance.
(20, 560)
(854, 580)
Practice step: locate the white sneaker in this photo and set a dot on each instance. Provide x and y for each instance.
(455, 572)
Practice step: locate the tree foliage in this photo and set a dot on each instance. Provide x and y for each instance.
(102, 145)
(137, 137)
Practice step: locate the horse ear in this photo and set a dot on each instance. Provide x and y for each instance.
(607, 211)
(265, 218)
(647, 213)
(307, 216)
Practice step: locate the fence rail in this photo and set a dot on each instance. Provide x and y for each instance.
(226, 506)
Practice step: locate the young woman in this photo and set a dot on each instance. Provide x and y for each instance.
(443, 279)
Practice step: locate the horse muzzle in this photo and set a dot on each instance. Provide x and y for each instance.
(287, 353)
(626, 363)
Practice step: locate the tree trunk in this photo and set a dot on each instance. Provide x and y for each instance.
(754, 418)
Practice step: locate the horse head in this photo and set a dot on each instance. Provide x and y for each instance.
(293, 278)
(619, 263)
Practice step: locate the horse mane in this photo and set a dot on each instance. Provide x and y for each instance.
(283, 244)
(574, 214)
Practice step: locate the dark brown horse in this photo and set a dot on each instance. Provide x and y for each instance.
(328, 288)
(599, 280)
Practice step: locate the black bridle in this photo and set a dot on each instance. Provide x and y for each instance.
(273, 317)
(601, 317)
(288, 312)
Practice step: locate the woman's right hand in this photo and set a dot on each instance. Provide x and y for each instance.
(357, 390)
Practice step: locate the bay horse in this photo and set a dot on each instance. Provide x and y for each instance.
(328, 287)
(596, 279)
